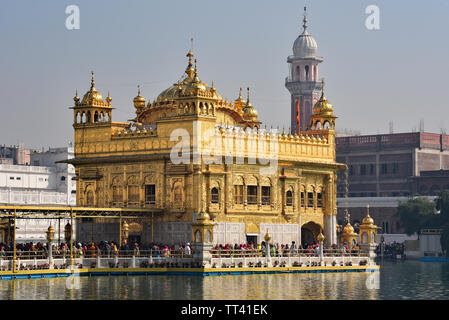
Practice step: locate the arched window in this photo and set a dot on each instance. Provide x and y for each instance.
(364, 238)
(208, 237)
(289, 198)
(117, 196)
(307, 72)
(298, 73)
(90, 198)
(310, 199)
(214, 195)
(177, 196)
(62, 178)
(133, 195)
(319, 199)
(198, 236)
(96, 116)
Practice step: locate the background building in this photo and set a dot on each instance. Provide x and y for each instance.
(45, 183)
(387, 168)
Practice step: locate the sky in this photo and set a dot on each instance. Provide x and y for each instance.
(397, 74)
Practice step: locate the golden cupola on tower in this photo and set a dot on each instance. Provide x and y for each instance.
(323, 117)
(368, 230)
(92, 97)
(348, 235)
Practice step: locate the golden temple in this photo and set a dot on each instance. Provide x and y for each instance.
(130, 165)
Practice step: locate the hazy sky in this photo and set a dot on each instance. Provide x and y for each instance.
(398, 73)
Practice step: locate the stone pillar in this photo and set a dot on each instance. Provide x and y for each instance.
(202, 233)
(368, 250)
(201, 254)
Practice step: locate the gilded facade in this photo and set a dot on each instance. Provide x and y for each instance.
(191, 152)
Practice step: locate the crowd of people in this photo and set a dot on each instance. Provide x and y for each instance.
(276, 250)
(109, 249)
(391, 250)
(94, 249)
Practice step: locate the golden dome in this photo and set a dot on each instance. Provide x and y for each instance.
(92, 97)
(323, 106)
(108, 99)
(267, 237)
(76, 98)
(203, 216)
(320, 237)
(348, 229)
(139, 101)
(191, 85)
(367, 219)
(249, 112)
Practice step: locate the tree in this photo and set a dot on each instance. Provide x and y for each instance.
(415, 214)
(442, 204)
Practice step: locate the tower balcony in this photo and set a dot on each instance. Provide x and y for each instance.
(303, 87)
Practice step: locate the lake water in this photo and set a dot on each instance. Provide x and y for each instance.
(397, 280)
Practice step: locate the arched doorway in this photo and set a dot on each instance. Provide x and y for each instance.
(309, 232)
(135, 233)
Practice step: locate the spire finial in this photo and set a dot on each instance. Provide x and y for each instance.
(76, 98)
(248, 94)
(304, 24)
(348, 216)
(138, 89)
(322, 88)
(240, 93)
(108, 98)
(92, 82)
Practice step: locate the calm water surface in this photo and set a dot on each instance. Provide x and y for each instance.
(400, 280)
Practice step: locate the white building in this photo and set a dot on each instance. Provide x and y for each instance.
(43, 183)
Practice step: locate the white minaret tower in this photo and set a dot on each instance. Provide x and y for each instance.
(302, 81)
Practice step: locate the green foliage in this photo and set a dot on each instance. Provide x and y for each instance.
(442, 204)
(443, 207)
(416, 214)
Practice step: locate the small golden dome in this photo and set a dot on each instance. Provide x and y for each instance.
(203, 216)
(249, 112)
(139, 101)
(76, 98)
(320, 237)
(108, 99)
(92, 97)
(267, 237)
(367, 219)
(348, 229)
(323, 106)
